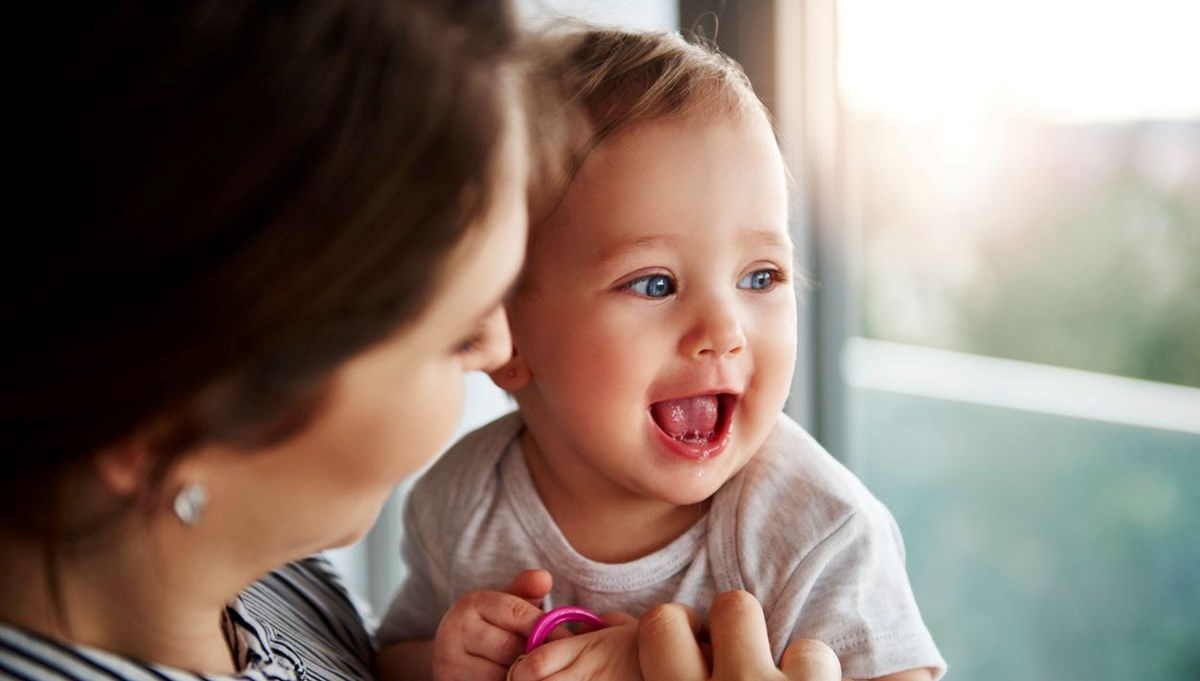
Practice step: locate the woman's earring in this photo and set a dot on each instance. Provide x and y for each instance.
(189, 503)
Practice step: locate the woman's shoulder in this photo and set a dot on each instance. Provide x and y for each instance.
(30, 656)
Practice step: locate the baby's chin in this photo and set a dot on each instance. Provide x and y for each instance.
(696, 486)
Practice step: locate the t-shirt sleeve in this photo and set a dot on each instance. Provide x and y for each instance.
(853, 593)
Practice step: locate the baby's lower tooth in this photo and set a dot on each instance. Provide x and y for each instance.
(694, 437)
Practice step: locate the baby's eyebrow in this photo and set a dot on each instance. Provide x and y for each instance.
(768, 237)
(758, 237)
(624, 248)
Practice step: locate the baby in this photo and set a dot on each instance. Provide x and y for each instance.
(649, 461)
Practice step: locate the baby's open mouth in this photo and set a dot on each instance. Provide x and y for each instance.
(696, 420)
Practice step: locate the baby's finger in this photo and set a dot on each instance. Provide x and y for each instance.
(809, 660)
(667, 647)
(531, 585)
(493, 644)
(506, 611)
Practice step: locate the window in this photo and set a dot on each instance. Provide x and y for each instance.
(999, 204)
(1020, 205)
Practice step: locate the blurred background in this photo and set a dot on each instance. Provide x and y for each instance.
(999, 207)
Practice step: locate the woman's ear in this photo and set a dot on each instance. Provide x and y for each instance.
(124, 467)
(512, 375)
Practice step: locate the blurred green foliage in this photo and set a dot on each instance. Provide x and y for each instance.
(1070, 245)
(1106, 280)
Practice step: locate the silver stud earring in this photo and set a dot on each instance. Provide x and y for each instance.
(189, 503)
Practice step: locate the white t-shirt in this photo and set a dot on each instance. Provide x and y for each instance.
(794, 527)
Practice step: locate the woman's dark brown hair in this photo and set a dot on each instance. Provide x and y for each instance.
(228, 199)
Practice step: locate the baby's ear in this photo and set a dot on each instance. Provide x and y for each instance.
(512, 375)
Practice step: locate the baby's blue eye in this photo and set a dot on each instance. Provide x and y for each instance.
(758, 280)
(653, 286)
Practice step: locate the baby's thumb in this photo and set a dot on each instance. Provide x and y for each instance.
(531, 585)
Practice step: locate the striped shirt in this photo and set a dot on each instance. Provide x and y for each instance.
(298, 623)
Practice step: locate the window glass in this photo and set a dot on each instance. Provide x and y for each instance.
(1025, 178)
(1021, 186)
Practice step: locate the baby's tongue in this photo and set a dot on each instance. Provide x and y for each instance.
(692, 418)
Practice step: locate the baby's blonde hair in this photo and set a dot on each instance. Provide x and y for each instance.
(610, 79)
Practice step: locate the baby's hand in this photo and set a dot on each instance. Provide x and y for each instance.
(609, 653)
(485, 631)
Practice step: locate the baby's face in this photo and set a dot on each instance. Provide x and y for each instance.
(659, 318)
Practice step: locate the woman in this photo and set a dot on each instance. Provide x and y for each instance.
(281, 234)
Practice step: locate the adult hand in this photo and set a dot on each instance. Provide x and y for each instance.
(668, 647)
(606, 654)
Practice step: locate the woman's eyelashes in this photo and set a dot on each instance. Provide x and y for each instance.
(471, 344)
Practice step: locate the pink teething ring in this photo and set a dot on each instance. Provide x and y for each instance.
(568, 613)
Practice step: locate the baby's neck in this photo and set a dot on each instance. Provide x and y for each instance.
(621, 537)
(605, 525)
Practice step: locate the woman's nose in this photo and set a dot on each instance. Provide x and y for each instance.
(495, 343)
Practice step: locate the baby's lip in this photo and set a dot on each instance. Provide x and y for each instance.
(726, 392)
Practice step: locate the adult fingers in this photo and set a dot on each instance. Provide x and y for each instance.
(667, 647)
(809, 660)
(475, 668)
(617, 618)
(547, 660)
(612, 619)
(740, 646)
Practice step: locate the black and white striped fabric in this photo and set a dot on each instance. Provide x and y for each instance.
(296, 624)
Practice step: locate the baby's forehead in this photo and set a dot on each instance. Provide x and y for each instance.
(569, 241)
(639, 187)
(623, 157)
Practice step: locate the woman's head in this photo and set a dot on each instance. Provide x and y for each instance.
(247, 196)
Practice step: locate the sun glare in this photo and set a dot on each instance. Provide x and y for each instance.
(1053, 60)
